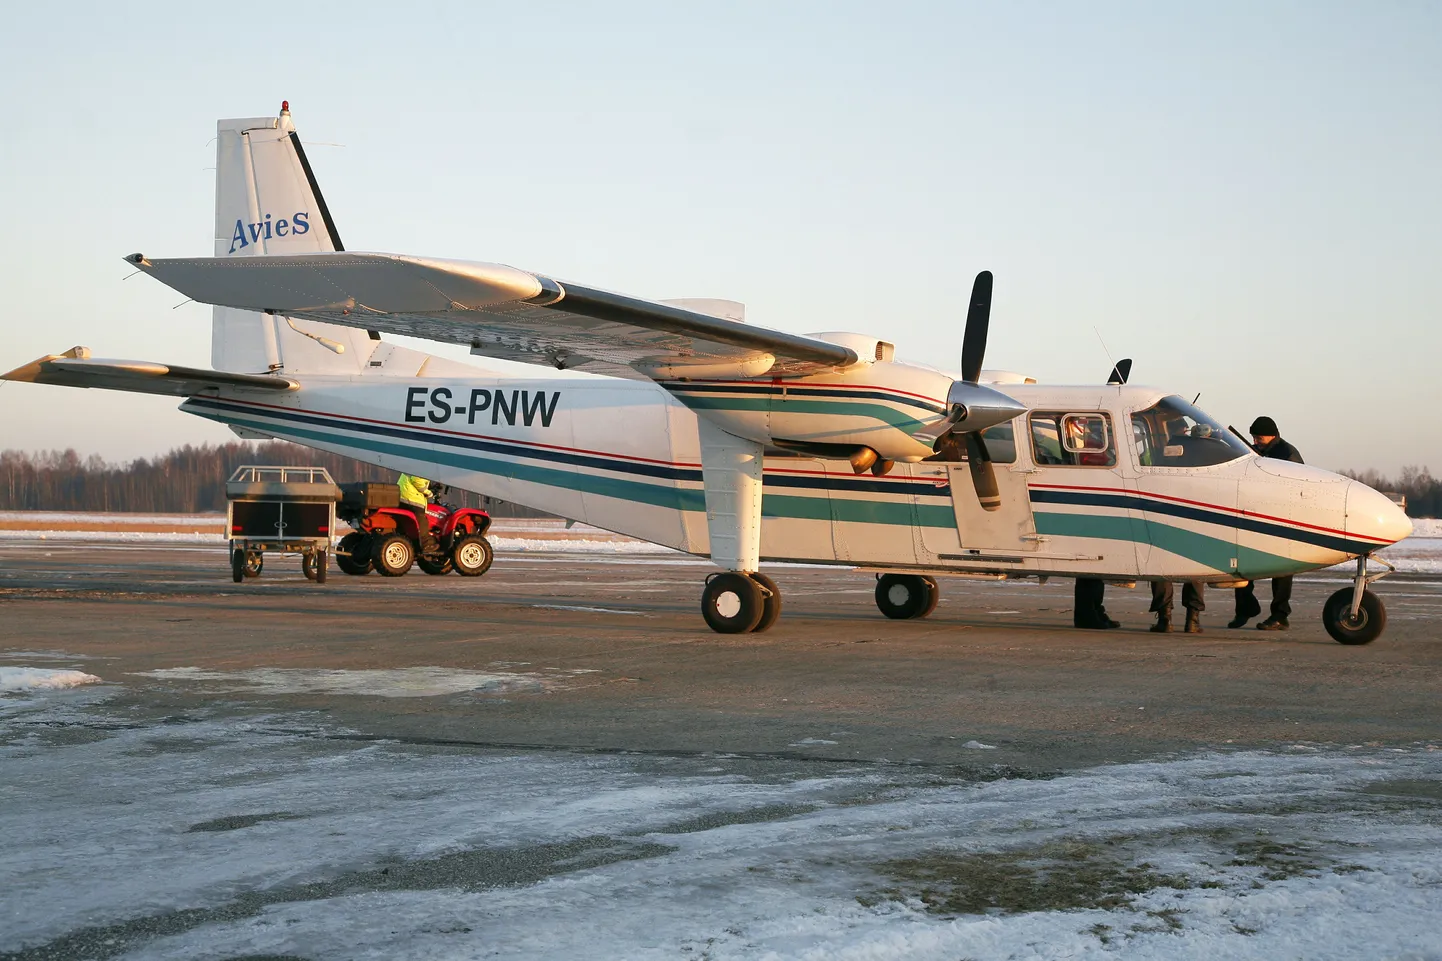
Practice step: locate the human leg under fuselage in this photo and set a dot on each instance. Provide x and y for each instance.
(1281, 605)
(1088, 611)
(1247, 605)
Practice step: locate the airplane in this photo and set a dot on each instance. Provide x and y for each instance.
(719, 438)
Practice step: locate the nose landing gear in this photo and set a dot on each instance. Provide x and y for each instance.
(1354, 615)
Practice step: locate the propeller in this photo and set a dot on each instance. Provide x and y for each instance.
(1120, 372)
(981, 406)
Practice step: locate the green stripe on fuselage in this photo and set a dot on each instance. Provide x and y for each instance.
(1210, 551)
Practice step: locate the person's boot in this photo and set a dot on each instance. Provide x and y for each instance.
(1273, 623)
(1104, 621)
(1245, 615)
(1194, 622)
(1163, 624)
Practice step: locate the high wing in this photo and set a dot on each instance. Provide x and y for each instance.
(75, 368)
(498, 311)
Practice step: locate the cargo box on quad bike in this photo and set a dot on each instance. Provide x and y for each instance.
(387, 537)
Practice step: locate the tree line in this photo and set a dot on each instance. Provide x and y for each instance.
(187, 480)
(1422, 490)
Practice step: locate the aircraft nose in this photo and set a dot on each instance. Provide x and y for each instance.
(1373, 516)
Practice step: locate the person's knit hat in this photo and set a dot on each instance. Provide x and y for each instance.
(1264, 427)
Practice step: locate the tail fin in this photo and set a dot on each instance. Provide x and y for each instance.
(267, 201)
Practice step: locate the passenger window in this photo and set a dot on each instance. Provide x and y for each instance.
(1073, 440)
(1000, 445)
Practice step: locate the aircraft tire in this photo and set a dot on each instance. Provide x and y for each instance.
(1371, 618)
(770, 603)
(933, 596)
(393, 555)
(472, 555)
(357, 558)
(905, 596)
(732, 603)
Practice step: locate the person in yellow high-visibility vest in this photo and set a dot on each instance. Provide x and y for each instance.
(416, 494)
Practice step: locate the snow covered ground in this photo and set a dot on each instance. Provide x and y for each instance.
(219, 834)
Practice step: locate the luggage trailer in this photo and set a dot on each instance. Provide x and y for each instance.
(287, 510)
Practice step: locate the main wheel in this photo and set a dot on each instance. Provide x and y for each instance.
(353, 554)
(904, 596)
(732, 603)
(1365, 628)
(770, 602)
(472, 555)
(393, 555)
(308, 565)
(433, 567)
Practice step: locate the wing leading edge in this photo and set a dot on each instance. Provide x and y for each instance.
(75, 368)
(500, 312)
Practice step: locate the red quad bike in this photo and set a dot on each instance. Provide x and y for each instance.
(386, 537)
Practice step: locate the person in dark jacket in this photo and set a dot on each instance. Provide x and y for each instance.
(1087, 610)
(1192, 599)
(1266, 440)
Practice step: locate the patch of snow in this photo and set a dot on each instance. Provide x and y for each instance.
(400, 682)
(42, 679)
(712, 862)
(577, 546)
(812, 742)
(1427, 527)
(978, 746)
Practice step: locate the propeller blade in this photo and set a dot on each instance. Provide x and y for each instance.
(978, 316)
(983, 477)
(1120, 372)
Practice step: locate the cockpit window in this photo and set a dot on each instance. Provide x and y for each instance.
(1175, 434)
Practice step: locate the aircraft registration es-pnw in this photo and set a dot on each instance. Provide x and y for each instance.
(719, 438)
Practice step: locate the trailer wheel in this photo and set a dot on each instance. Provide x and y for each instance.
(353, 554)
(393, 555)
(312, 564)
(254, 563)
(1337, 618)
(237, 565)
(472, 555)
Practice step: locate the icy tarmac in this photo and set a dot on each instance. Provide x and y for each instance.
(219, 834)
(559, 761)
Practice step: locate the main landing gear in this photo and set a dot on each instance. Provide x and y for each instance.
(739, 603)
(1354, 615)
(905, 596)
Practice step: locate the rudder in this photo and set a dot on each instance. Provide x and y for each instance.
(267, 202)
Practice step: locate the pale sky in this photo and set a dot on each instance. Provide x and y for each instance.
(1244, 197)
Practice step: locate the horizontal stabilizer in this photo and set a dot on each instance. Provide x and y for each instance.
(500, 312)
(75, 368)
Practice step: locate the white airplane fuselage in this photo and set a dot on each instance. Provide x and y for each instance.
(624, 455)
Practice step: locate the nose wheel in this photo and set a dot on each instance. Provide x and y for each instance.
(1354, 615)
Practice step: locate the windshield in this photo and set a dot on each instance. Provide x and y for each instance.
(1175, 434)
